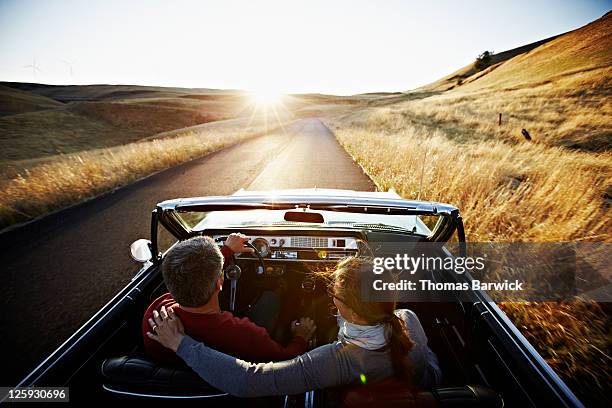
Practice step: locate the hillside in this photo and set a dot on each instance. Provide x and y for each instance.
(557, 91)
(585, 52)
(583, 55)
(72, 93)
(78, 118)
(463, 74)
(14, 101)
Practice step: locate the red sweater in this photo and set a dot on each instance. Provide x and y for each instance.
(222, 331)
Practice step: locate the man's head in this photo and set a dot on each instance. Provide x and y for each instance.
(193, 271)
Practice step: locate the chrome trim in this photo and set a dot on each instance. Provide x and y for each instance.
(458, 335)
(486, 382)
(295, 260)
(137, 394)
(309, 399)
(337, 202)
(308, 241)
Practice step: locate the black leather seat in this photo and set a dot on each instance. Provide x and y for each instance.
(139, 377)
(136, 376)
(468, 396)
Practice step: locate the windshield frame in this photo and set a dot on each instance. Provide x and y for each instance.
(167, 212)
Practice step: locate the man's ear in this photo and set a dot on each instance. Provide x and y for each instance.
(220, 283)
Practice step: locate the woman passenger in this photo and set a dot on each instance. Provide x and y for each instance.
(375, 342)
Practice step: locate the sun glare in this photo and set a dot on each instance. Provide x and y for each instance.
(266, 97)
(267, 103)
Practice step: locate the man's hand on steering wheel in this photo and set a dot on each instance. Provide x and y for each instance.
(236, 242)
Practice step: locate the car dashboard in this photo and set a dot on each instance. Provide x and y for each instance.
(299, 248)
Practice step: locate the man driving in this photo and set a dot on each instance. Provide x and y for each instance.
(193, 273)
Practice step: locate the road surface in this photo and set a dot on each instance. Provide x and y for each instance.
(58, 271)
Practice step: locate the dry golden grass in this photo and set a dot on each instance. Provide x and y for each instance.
(506, 192)
(572, 112)
(13, 101)
(559, 91)
(520, 192)
(73, 178)
(574, 338)
(84, 126)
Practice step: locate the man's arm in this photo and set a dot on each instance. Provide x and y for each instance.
(227, 253)
(257, 345)
(235, 243)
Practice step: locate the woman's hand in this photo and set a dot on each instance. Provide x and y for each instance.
(166, 328)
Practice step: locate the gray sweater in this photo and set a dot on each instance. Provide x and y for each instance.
(326, 366)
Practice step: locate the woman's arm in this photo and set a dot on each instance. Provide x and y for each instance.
(316, 369)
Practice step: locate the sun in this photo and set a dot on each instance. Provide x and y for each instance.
(267, 103)
(266, 97)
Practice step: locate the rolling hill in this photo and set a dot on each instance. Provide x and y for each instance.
(14, 101)
(585, 52)
(39, 121)
(75, 93)
(464, 74)
(556, 90)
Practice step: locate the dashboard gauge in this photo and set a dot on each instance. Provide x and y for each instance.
(262, 246)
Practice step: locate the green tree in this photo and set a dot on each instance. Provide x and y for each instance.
(483, 60)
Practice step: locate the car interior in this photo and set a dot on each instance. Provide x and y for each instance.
(286, 264)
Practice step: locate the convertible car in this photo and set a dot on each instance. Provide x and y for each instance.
(484, 359)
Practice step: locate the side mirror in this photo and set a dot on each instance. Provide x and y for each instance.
(141, 250)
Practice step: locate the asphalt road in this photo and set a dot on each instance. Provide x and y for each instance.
(58, 271)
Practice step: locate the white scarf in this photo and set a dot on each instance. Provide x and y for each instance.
(366, 337)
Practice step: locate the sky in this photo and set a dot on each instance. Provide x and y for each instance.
(334, 46)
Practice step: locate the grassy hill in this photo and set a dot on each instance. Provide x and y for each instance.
(14, 101)
(39, 121)
(579, 59)
(582, 51)
(73, 93)
(101, 137)
(558, 90)
(464, 74)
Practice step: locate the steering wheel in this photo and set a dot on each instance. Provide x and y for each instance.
(262, 265)
(233, 273)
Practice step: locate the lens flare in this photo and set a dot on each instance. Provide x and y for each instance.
(266, 97)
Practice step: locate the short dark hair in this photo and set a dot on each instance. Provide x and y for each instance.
(191, 269)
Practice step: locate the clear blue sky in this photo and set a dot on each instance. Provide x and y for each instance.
(339, 47)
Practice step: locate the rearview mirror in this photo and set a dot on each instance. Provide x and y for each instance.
(302, 216)
(141, 250)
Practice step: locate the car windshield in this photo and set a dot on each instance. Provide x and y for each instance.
(198, 221)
